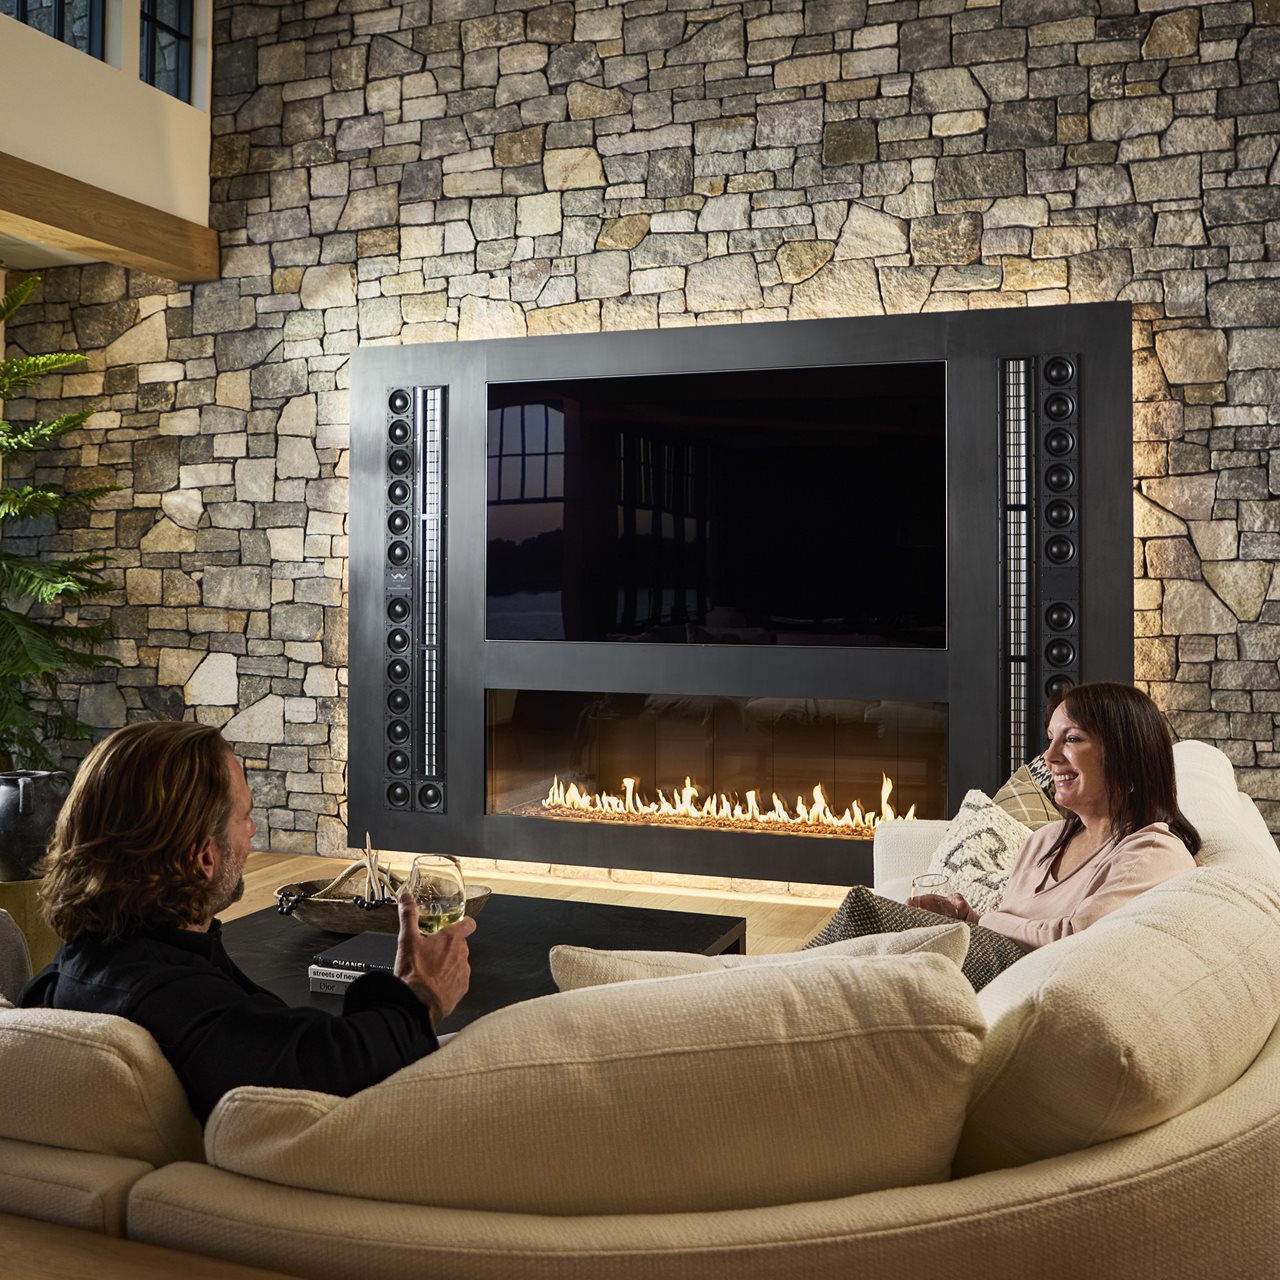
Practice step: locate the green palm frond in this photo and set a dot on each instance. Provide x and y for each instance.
(22, 372)
(39, 434)
(31, 502)
(31, 729)
(17, 296)
(32, 650)
(51, 581)
(37, 651)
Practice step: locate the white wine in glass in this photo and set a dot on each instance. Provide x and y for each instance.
(436, 882)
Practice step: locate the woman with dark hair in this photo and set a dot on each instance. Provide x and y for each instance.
(1111, 757)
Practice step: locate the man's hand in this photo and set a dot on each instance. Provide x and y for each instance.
(435, 966)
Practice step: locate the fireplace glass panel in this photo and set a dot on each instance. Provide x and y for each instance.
(794, 506)
(791, 766)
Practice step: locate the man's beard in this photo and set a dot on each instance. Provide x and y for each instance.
(224, 890)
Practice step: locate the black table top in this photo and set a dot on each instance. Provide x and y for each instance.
(509, 949)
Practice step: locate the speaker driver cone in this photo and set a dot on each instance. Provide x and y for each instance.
(1059, 441)
(1058, 371)
(1060, 616)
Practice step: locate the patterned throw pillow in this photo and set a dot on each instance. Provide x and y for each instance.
(1027, 796)
(978, 850)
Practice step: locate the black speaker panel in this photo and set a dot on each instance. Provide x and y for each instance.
(412, 704)
(1059, 552)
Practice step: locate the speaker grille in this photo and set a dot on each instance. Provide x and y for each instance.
(1043, 561)
(414, 599)
(1057, 504)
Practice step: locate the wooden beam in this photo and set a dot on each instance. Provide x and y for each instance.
(49, 208)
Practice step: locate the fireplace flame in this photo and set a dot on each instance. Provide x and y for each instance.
(688, 807)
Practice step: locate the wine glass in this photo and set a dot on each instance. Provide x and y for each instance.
(435, 880)
(930, 885)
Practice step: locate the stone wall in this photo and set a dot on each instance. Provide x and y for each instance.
(479, 168)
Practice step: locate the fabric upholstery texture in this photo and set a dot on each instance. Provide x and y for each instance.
(74, 1188)
(1153, 1009)
(1231, 828)
(978, 850)
(1024, 798)
(864, 914)
(902, 850)
(1182, 1201)
(574, 967)
(763, 1085)
(83, 1059)
(15, 959)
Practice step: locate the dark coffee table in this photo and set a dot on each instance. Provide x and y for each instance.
(509, 949)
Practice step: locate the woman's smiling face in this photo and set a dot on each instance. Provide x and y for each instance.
(1075, 761)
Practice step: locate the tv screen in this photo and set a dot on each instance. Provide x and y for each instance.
(797, 506)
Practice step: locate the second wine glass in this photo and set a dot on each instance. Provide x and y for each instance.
(435, 880)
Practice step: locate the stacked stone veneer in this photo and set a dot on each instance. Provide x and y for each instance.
(469, 169)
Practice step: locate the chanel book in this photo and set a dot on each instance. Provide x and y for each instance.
(363, 953)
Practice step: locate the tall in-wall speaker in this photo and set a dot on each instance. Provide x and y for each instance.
(413, 600)
(1058, 549)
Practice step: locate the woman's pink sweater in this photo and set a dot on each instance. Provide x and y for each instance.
(1037, 909)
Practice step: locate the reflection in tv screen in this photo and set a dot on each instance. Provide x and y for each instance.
(802, 506)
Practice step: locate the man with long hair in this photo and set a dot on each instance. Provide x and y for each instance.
(150, 845)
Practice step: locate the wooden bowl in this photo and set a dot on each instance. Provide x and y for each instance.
(342, 915)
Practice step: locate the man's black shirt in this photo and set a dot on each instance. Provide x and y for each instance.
(219, 1030)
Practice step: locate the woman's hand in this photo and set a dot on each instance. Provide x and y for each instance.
(953, 907)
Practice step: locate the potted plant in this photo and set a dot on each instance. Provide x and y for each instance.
(38, 644)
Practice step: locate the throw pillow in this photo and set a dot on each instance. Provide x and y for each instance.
(1150, 1011)
(1024, 798)
(92, 1082)
(977, 851)
(574, 967)
(1038, 768)
(768, 1085)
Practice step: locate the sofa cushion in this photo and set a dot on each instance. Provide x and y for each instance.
(746, 1087)
(91, 1082)
(1232, 830)
(574, 967)
(1147, 1013)
(977, 851)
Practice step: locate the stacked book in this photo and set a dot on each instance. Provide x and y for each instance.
(332, 971)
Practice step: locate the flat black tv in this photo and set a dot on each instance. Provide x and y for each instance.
(791, 506)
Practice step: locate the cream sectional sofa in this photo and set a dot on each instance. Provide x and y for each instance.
(1111, 1103)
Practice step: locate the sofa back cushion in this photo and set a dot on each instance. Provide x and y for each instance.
(735, 1089)
(574, 967)
(1147, 1013)
(91, 1082)
(1232, 831)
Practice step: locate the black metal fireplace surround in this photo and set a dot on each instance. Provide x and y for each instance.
(755, 556)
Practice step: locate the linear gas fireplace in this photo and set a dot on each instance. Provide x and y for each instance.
(721, 600)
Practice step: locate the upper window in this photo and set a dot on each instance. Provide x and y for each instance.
(74, 22)
(166, 46)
